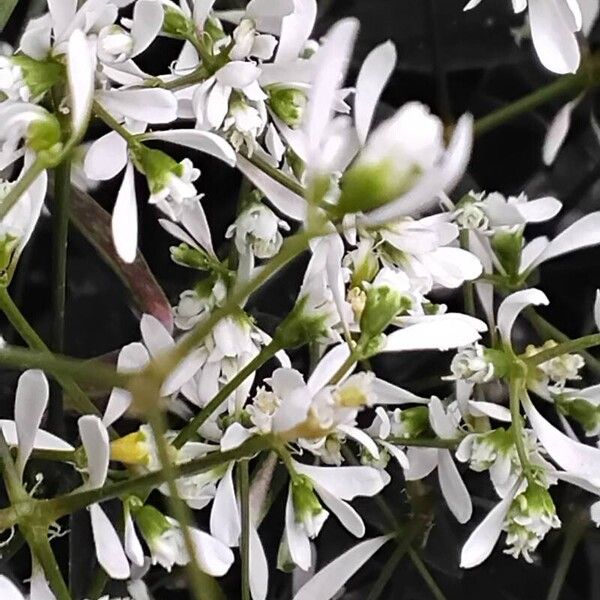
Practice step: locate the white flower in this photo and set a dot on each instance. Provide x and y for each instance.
(561, 368)
(470, 364)
(257, 230)
(176, 189)
(12, 83)
(114, 44)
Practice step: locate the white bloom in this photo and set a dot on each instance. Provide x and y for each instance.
(12, 83)
(470, 364)
(257, 230)
(176, 189)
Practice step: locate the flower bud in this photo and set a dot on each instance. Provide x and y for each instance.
(115, 45)
(288, 104)
(24, 78)
(177, 24)
(131, 449)
(410, 423)
(470, 213)
(472, 365)
(44, 134)
(581, 410)
(307, 507)
(507, 246)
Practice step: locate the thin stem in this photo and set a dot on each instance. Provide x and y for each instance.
(21, 186)
(567, 85)
(244, 491)
(576, 345)
(60, 231)
(63, 505)
(258, 361)
(77, 396)
(105, 116)
(427, 577)
(388, 570)
(515, 388)
(40, 546)
(87, 371)
(468, 286)
(546, 329)
(425, 442)
(180, 509)
(575, 530)
(277, 175)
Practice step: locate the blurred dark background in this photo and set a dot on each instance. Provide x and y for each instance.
(455, 62)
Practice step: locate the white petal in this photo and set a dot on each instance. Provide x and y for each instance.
(237, 74)
(441, 422)
(35, 41)
(213, 556)
(204, 141)
(178, 232)
(597, 309)
(259, 567)
(133, 546)
(106, 157)
(557, 132)
(453, 488)
(346, 515)
(62, 13)
(81, 70)
(283, 199)
(422, 462)
(533, 253)
(388, 393)
(124, 223)
(109, 550)
(574, 457)
(471, 4)
(94, 438)
(39, 588)
(584, 233)
(295, 30)
(540, 209)
(148, 16)
(146, 105)
(155, 336)
(490, 409)
(330, 70)
(329, 580)
(398, 454)
(43, 440)
(553, 38)
(267, 8)
(511, 307)
(8, 590)
(483, 539)
(361, 437)
(30, 403)
(327, 367)
(225, 522)
(441, 334)
(595, 513)
(346, 482)
(372, 78)
(194, 220)
(589, 14)
(297, 541)
(235, 435)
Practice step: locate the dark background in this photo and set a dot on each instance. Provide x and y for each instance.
(455, 62)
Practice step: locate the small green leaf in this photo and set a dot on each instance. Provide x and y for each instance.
(6, 9)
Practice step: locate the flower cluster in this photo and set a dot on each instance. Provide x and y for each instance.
(387, 244)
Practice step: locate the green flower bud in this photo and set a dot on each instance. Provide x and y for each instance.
(507, 246)
(151, 522)
(382, 304)
(302, 326)
(193, 258)
(369, 185)
(8, 248)
(44, 134)
(581, 410)
(306, 503)
(177, 24)
(288, 104)
(39, 75)
(157, 166)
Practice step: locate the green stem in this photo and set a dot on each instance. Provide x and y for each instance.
(468, 286)
(244, 490)
(105, 116)
(77, 396)
(280, 177)
(546, 329)
(60, 231)
(576, 345)
(427, 577)
(425, 442)
(40, 546)
(61, 506)
(515, 388)
(388, 570)
(179, 508)
(21, 186)
(575, 531)
(256, 363)
(87, 371)
(6, 9)
(567, 85)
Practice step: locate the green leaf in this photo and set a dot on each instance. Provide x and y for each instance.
(6, 9)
